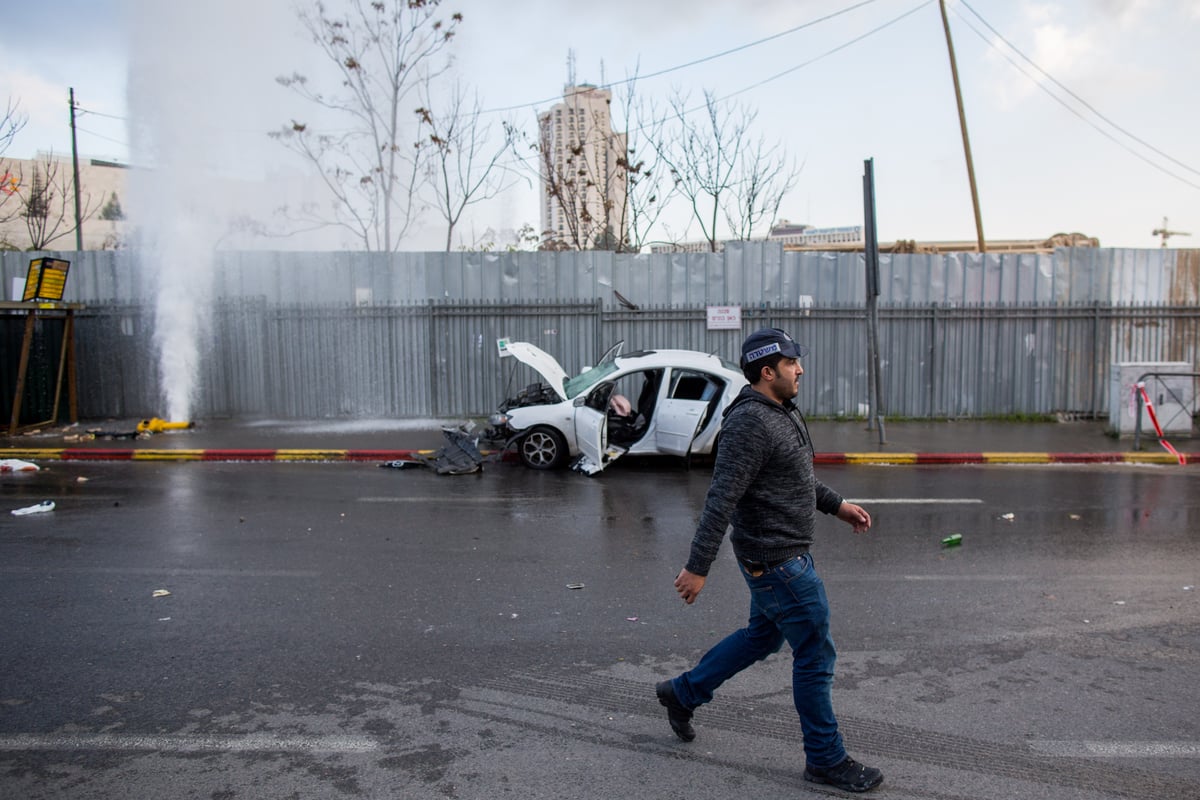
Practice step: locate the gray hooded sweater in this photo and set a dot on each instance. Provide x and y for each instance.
(763, 482)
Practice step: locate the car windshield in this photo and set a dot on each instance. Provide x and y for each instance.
(590, 377)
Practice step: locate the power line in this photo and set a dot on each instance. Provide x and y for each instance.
(828, 53)
(800, 66)
(101, 136)
(1076, 111)
(83, 110)
(1083, 102)
(693, 63)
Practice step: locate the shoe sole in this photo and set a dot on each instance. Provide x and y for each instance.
(808, 776)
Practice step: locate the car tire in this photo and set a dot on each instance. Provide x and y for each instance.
(542, 448)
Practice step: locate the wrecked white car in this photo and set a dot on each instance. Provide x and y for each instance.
(648, 402)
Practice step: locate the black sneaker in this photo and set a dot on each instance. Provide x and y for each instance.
(679, 715)
(849, 776)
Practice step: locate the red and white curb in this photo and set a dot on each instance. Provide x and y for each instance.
(334, 455)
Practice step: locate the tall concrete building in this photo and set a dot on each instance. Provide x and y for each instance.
(583, 181)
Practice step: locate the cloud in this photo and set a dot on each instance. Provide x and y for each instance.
(1074, 43)
(44, 104)
(1126, 13)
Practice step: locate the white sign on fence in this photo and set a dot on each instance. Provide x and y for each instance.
(724, 318)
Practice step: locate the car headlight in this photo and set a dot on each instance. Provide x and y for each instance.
(498, 420)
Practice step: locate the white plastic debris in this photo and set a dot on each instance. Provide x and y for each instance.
(161, 593)
(17, 465)
(1009, 516)
(45, 505)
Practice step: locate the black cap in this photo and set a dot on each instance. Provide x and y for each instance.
(769, 341)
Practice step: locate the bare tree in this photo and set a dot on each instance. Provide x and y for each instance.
(10, 125)
(464, 164)
(721, 171)
(766, 178)
(646, 193)
(46, 202)
(384, 51)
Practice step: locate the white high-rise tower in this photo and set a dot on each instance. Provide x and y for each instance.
(583, 177)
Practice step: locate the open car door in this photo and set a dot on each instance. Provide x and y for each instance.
(676, 423)
(591, 431)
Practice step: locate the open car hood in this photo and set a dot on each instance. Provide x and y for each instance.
(543, 362)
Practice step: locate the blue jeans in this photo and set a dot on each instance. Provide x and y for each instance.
(787, 603)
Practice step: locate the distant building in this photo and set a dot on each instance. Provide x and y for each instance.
(848, 238)
(790, 234)
(52, 178)
(583, 185)
(805, 235)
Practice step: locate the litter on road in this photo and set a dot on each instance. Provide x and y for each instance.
(39, 508)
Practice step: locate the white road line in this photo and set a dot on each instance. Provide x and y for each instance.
(164, 572)
(1085, 749)
(916, 501)
(189, 743)
(450, 500)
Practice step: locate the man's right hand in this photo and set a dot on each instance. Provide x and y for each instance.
(689, 585)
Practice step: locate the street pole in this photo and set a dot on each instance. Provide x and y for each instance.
(962, 122)
(75, 161)
(871, 261)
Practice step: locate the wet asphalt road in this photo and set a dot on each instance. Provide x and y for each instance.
(340, 630)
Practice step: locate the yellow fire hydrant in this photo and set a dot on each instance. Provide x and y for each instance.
(157, 425)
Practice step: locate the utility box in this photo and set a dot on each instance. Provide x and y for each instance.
(1173, 396)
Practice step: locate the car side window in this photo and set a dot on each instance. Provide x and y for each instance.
(689, 385)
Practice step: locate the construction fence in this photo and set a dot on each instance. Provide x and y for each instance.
(335, 335)
(440, 359)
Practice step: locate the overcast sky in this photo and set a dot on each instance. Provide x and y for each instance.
(1114, 154)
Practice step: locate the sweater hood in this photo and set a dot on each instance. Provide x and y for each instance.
(749, 395)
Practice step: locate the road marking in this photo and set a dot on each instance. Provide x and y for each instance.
(1084, 749)
(190, 743)
(167, 572)
(916, 501)
(448, 499)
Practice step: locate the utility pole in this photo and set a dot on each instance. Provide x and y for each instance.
(962, 122)
(75, 162)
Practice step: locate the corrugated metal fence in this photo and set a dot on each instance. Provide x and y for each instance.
(315, 335)
(440, 359)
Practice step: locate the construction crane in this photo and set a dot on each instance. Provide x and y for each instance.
(1166, 233)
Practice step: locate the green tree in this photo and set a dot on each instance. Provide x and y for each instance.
(112, 209)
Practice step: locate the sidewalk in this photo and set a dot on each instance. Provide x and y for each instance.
(964, 442)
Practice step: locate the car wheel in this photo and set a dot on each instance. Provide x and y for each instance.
(542, 448)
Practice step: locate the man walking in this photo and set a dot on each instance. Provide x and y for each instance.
(763, 483)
